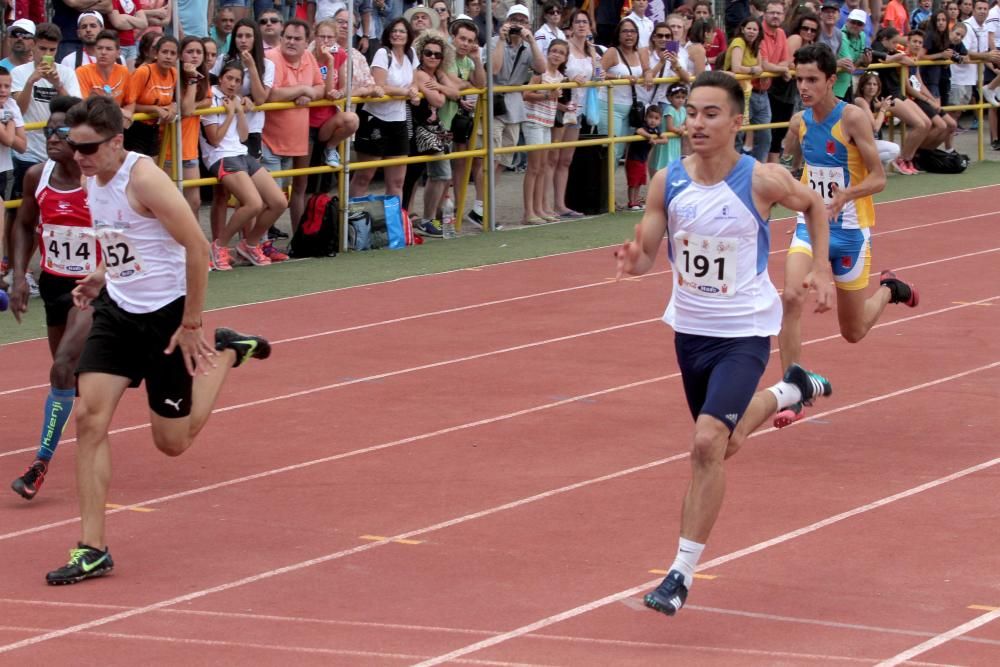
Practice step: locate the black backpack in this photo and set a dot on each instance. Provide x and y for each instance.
(936, 161)
(318, 234)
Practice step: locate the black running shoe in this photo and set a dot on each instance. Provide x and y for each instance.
(669, 596)
(246, 346)
(276, 234)
(901, 292)
(812, 385)
(27, 485)
(84, 563)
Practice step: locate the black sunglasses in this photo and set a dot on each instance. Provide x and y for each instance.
(61, 132)
(554, 11)
(20, 34)
(437, 55)
(661, 35)
(273, 19)
(88, 148)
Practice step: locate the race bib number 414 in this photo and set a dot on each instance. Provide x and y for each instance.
(706, 264)
(69, 251)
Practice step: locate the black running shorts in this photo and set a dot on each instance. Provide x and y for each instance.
(57, 295)
(131, 345)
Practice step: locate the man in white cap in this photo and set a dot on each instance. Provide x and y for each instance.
(516, 57)
(849, 6)
(88, 24)
(854, 46)
(22, 40)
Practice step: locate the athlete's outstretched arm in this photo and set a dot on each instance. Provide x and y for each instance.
(156, 192)
(23, 242)
(774, 185)
(636, 257)
(858, 129)
(791, 145)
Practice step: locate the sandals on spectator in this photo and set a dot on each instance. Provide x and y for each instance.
(534, 220)
(570, 214)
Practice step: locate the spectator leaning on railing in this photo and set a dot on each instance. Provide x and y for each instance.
(104, 76)
(151, 90)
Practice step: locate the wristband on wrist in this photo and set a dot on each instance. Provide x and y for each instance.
(191, 327)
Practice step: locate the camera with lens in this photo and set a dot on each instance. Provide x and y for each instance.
(956, 57)
(514, 30)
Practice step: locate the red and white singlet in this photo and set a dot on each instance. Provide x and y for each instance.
(66, 238)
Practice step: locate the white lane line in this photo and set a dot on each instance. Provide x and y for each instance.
(262, 576)
(531, 259)
(435, 629)
(942, 638)
(285, 648)
(876, 629)
(760, 546)
(424, 436)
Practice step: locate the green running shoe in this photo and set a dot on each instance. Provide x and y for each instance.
(245, 345)
(84, 563)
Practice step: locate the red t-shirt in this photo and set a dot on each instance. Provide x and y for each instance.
(129, 8)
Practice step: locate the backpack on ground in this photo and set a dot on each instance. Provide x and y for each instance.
(936, 161)
(318, 233)
(359, 230)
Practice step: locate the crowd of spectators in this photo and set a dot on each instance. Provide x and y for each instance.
(239, 54)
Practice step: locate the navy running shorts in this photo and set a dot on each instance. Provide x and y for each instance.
(720, 375)
(131, 345)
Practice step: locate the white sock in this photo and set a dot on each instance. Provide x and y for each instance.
(786, 393)
(477, 206)
(688, 555)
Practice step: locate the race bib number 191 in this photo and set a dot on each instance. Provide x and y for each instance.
(706, 264)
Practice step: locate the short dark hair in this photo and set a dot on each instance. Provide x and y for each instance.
(916, 32)
(296, 22)
(4, 71)
(99, 112)
(63, 103)
(50, 32)
(463, 23)
(817, 53)
(727, 82)
(108, 34)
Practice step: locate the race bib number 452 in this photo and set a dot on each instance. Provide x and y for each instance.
(69, 251)
(706, 264)
(121, 260)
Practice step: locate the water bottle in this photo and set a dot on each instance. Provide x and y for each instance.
(448, 219)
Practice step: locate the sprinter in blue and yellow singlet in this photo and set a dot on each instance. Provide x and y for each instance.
(842, 166)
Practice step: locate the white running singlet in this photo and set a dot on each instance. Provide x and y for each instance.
(145, 266)
(718, 247)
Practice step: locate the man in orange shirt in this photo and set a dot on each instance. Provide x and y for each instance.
(774, 57)
(286, 133)
(895, 15)
(104, 76)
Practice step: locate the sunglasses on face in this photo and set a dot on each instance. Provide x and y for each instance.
(88, 148)
(441, 10)
(554, 12)
(273, 19)
(437, 55)
(662, 35)
(22, 35)
(61, 132)
(807, 29)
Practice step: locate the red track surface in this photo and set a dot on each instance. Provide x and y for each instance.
(520, 430)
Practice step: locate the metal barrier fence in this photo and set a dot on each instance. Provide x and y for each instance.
(483, 126)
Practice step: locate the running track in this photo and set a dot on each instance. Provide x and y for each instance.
(484, 466)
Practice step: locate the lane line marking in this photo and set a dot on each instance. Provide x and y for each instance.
(379, 538)
(963, 303)
(299, 620)
(760, 546)
(696, 575)
(522, 297)
(942, 638)
(262, 576)
(443, 431)
(544, 257)
(130, 508)
(982, 607)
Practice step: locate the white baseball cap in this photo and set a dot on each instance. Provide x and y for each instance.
(858, 15)
(22, 24)
(519, 9)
